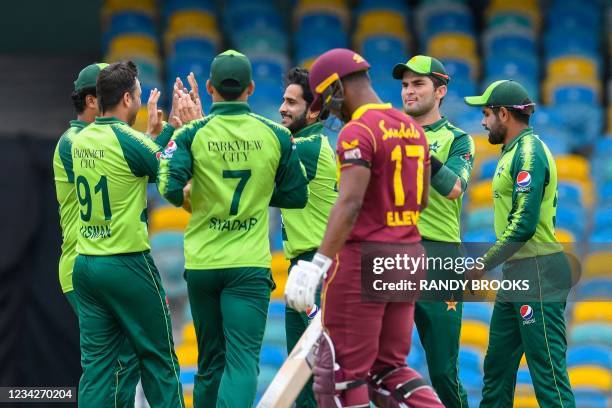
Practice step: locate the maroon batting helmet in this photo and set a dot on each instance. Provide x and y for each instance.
(329, 68)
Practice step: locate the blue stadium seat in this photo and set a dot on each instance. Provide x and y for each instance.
(272, 355)
(416, 358)
(523, 377)
(487, 169)
(398, 6)
(470, 358)
(448, 22)
(601, 236)
(508, 43)
(265, 377)
(574, 94)
(510, 20)
(172, 6)
(485, 235)
(557, 144)
(196, 47)
(603, 147)
(477, 311)
(167, 251)
(546, 116)
(268, 68)
(307, 46)
(570, 217)
(469, 121)
(575, 114)
(472, 381)
(457, 69)
(251, 19)
(188, 375)
(182, 66)
(591, 398)
(596, 288)
(319, 21)
(131, 22)
(276, 309)
(480, 218)
(569, 192)
(590, 355)
(497, 64)
(275, 333)
(388, 90)
(602, 218)
(261, 41)
(382, 46)
(461, 87)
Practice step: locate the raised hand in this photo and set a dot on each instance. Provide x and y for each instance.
(155, 115)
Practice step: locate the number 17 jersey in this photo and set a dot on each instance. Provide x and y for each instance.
(395, 149)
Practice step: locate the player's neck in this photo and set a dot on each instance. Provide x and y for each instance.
(513, 131)
(116, 113)
(86, 116)
(428, 118)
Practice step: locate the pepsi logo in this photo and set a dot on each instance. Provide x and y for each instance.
(523, 179)
(526, 312)
(312, 311)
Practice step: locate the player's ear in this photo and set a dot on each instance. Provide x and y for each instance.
(209, 87)
(251, 88)
(91, 102)
(312, 115)
(441, 91)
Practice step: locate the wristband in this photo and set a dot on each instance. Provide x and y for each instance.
(436, 165)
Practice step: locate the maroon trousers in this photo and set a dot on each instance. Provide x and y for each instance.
(368, 337)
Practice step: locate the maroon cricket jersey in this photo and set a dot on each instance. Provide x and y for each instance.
(395, 149)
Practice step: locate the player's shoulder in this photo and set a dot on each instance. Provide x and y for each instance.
(273, 126)
(456, 131)
(191, 129)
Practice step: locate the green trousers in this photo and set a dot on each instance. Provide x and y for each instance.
(439, 326)
(295, 325)
(121, 297)
(536, 328)
(127, 372)
(229, 309)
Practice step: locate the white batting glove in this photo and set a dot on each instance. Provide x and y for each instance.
(304, 278)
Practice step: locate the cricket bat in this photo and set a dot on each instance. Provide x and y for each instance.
(295, 371)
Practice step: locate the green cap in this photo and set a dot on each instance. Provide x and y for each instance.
(88, 76)
(230, 72)
(506, 93)
(423, 65)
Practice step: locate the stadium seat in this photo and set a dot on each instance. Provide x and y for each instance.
(481, 195)
(275, 333)
(474, 333)
(134, 44)
(470, 359)
(594, 289)
(477, 311)
(572, 167)
(142, 116)
(593, 355)
(591, 398)
(487, 169)
(483, 235)
(585, 312)
(526, 401)
(168, 218)
(188, 19)
(189, 334)
(564, 236)
(187, 354)
(571, 218)
(591, 377)
(597, 264)
(480, 218)
(273, 356)
(451, 46)
(572, 67)
(591, 333)
(484, 149)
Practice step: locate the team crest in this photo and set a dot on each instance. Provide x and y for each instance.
(350, 145)
(352, 154)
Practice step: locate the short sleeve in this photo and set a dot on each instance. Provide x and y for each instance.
(356, 145)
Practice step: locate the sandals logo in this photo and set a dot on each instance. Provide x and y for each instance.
(401, 133)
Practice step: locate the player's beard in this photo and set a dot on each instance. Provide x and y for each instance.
(497, 133)
(132, 117)
(298, 123)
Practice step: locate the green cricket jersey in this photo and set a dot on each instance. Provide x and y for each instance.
(525, 201)
(455, 148)
(240, 163)
(112, 165)
(303, 229)
(68, 204)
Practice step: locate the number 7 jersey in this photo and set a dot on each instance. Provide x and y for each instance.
(240, 164)
(395, 149)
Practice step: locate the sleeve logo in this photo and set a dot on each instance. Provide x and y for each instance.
(350, 145)
(168, 151)
(352, 154)
(523, 182)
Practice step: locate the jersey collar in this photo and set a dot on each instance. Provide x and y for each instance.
(434, 127)
(108, 120)
(78, 124)
(364, 108)
(312, 129)
(230, 108)
(524, 132)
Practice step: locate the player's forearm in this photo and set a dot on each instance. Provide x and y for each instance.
(164, 137)
(445, 181)
(341, 220)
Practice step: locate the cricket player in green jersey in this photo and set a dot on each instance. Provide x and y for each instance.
(424, 85)
(525, 201)
(118, 287)
(240, 164)
(86, 106)
(303, 229)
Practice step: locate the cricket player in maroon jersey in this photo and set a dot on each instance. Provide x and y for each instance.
(384, 182)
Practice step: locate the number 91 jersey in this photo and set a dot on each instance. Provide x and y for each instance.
(112, 165)
(395, 149)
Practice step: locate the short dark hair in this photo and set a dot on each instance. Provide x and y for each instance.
(357, 76)
(113, 82)
(437, 82)
(78, 98)
(518, 115)
(230, 96)
(299, 76)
